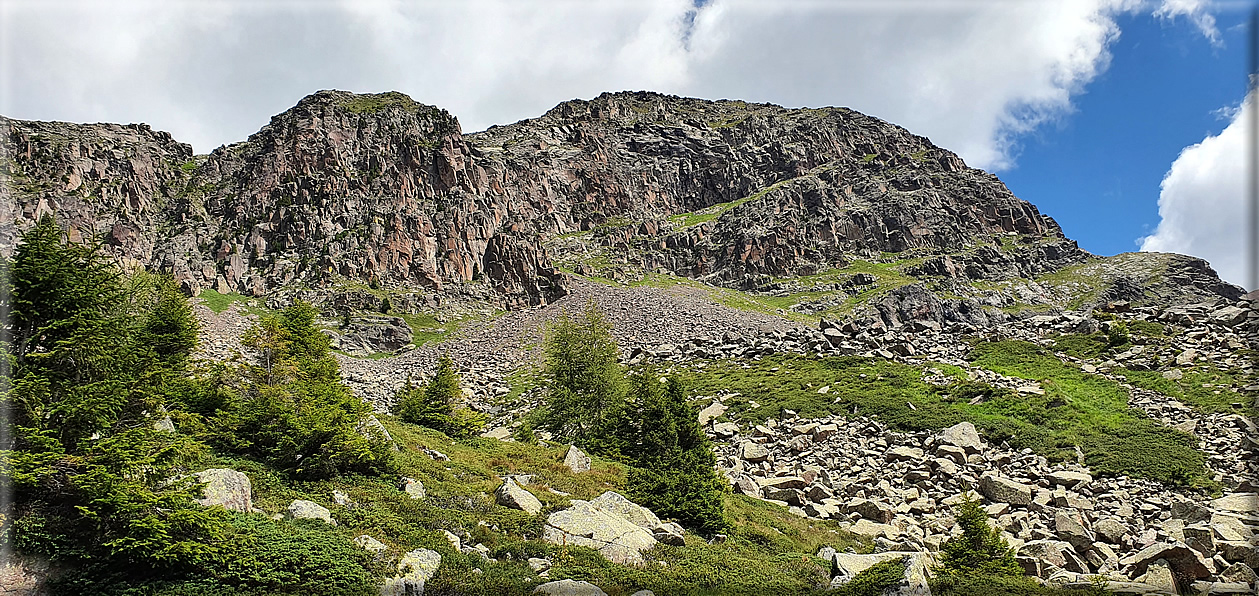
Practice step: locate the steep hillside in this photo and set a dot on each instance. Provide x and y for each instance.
(347, 190)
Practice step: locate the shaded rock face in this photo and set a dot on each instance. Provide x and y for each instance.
(380, 188)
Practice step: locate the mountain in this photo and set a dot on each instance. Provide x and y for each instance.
(345, 190)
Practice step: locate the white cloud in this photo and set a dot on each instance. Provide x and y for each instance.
(1197, 11)
(1202, 201)
(972, 75)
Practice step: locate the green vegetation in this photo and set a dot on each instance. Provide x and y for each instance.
(219, 302)
(674, 470)
(375, 102)
(588, 401)
(288, 406)
(979, 550)
(93, 357)
(437, 405)
(582, 376)
(1205, 387)
(1076, 409)
(876, 580)
(686, 220)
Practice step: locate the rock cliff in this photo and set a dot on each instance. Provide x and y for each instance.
(345, 190)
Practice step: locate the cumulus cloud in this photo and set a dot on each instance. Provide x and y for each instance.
(1202, 201)
(972, 75)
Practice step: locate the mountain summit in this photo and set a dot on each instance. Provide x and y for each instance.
(346, 189)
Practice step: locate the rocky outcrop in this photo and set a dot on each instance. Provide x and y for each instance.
(344, 190)
(373, 335)
(414, 569)
(613, 525)
(227, 488)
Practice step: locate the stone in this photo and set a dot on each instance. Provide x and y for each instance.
(865, 527)
(1111, 530)
(1159, 574)
(871, 510)
(227, 488)
(511, 495)
(584, 524)
(711, 412)
(1070, 529)
(636, 514)
(303, 509)
(669, 533)
(370, 544)
(569, 587)
(1069, 479)
(455, 542)
(576, 461)
(374, 335)
(414, 569)
(964, 435)
(903, 454)
(1182, 560)
(754, 452)
(782, 482)
(725, 430)
(1004, 490)
(1237, 503)
(341, 499)
(914, 583)
(413, 488)
(1201, 538)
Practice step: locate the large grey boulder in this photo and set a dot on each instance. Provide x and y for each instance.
(577, 461)
(568, 587)
(914, 583)
(371, 427)
(414, 569)
(1181, 559)
(303, 509)
(228, 488)
(373, 335)
(964, 435)
(1004, 490)
(585, 524)
(510, 494)
(636, 514)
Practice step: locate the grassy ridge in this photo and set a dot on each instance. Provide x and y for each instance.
(1076, 410)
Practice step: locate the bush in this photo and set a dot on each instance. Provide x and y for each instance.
(980, 550)
(874, 581)
(292, 410)
(437, 404)
(91, 357)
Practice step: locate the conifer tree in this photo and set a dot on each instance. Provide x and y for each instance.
(980, 549)
(675, 471)
(92, 477)
(583, 378)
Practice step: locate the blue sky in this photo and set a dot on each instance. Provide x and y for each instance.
(1097, 170)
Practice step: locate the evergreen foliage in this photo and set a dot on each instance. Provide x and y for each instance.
(583, 378)
(437, 404)
(979, 550)
(291, 409)
(90, 373)
(675, 471)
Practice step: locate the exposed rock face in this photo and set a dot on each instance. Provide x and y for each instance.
(228, 488)
(414, 569)
(568, 587)
(382, 189)
(613, 525)
(510, 494)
